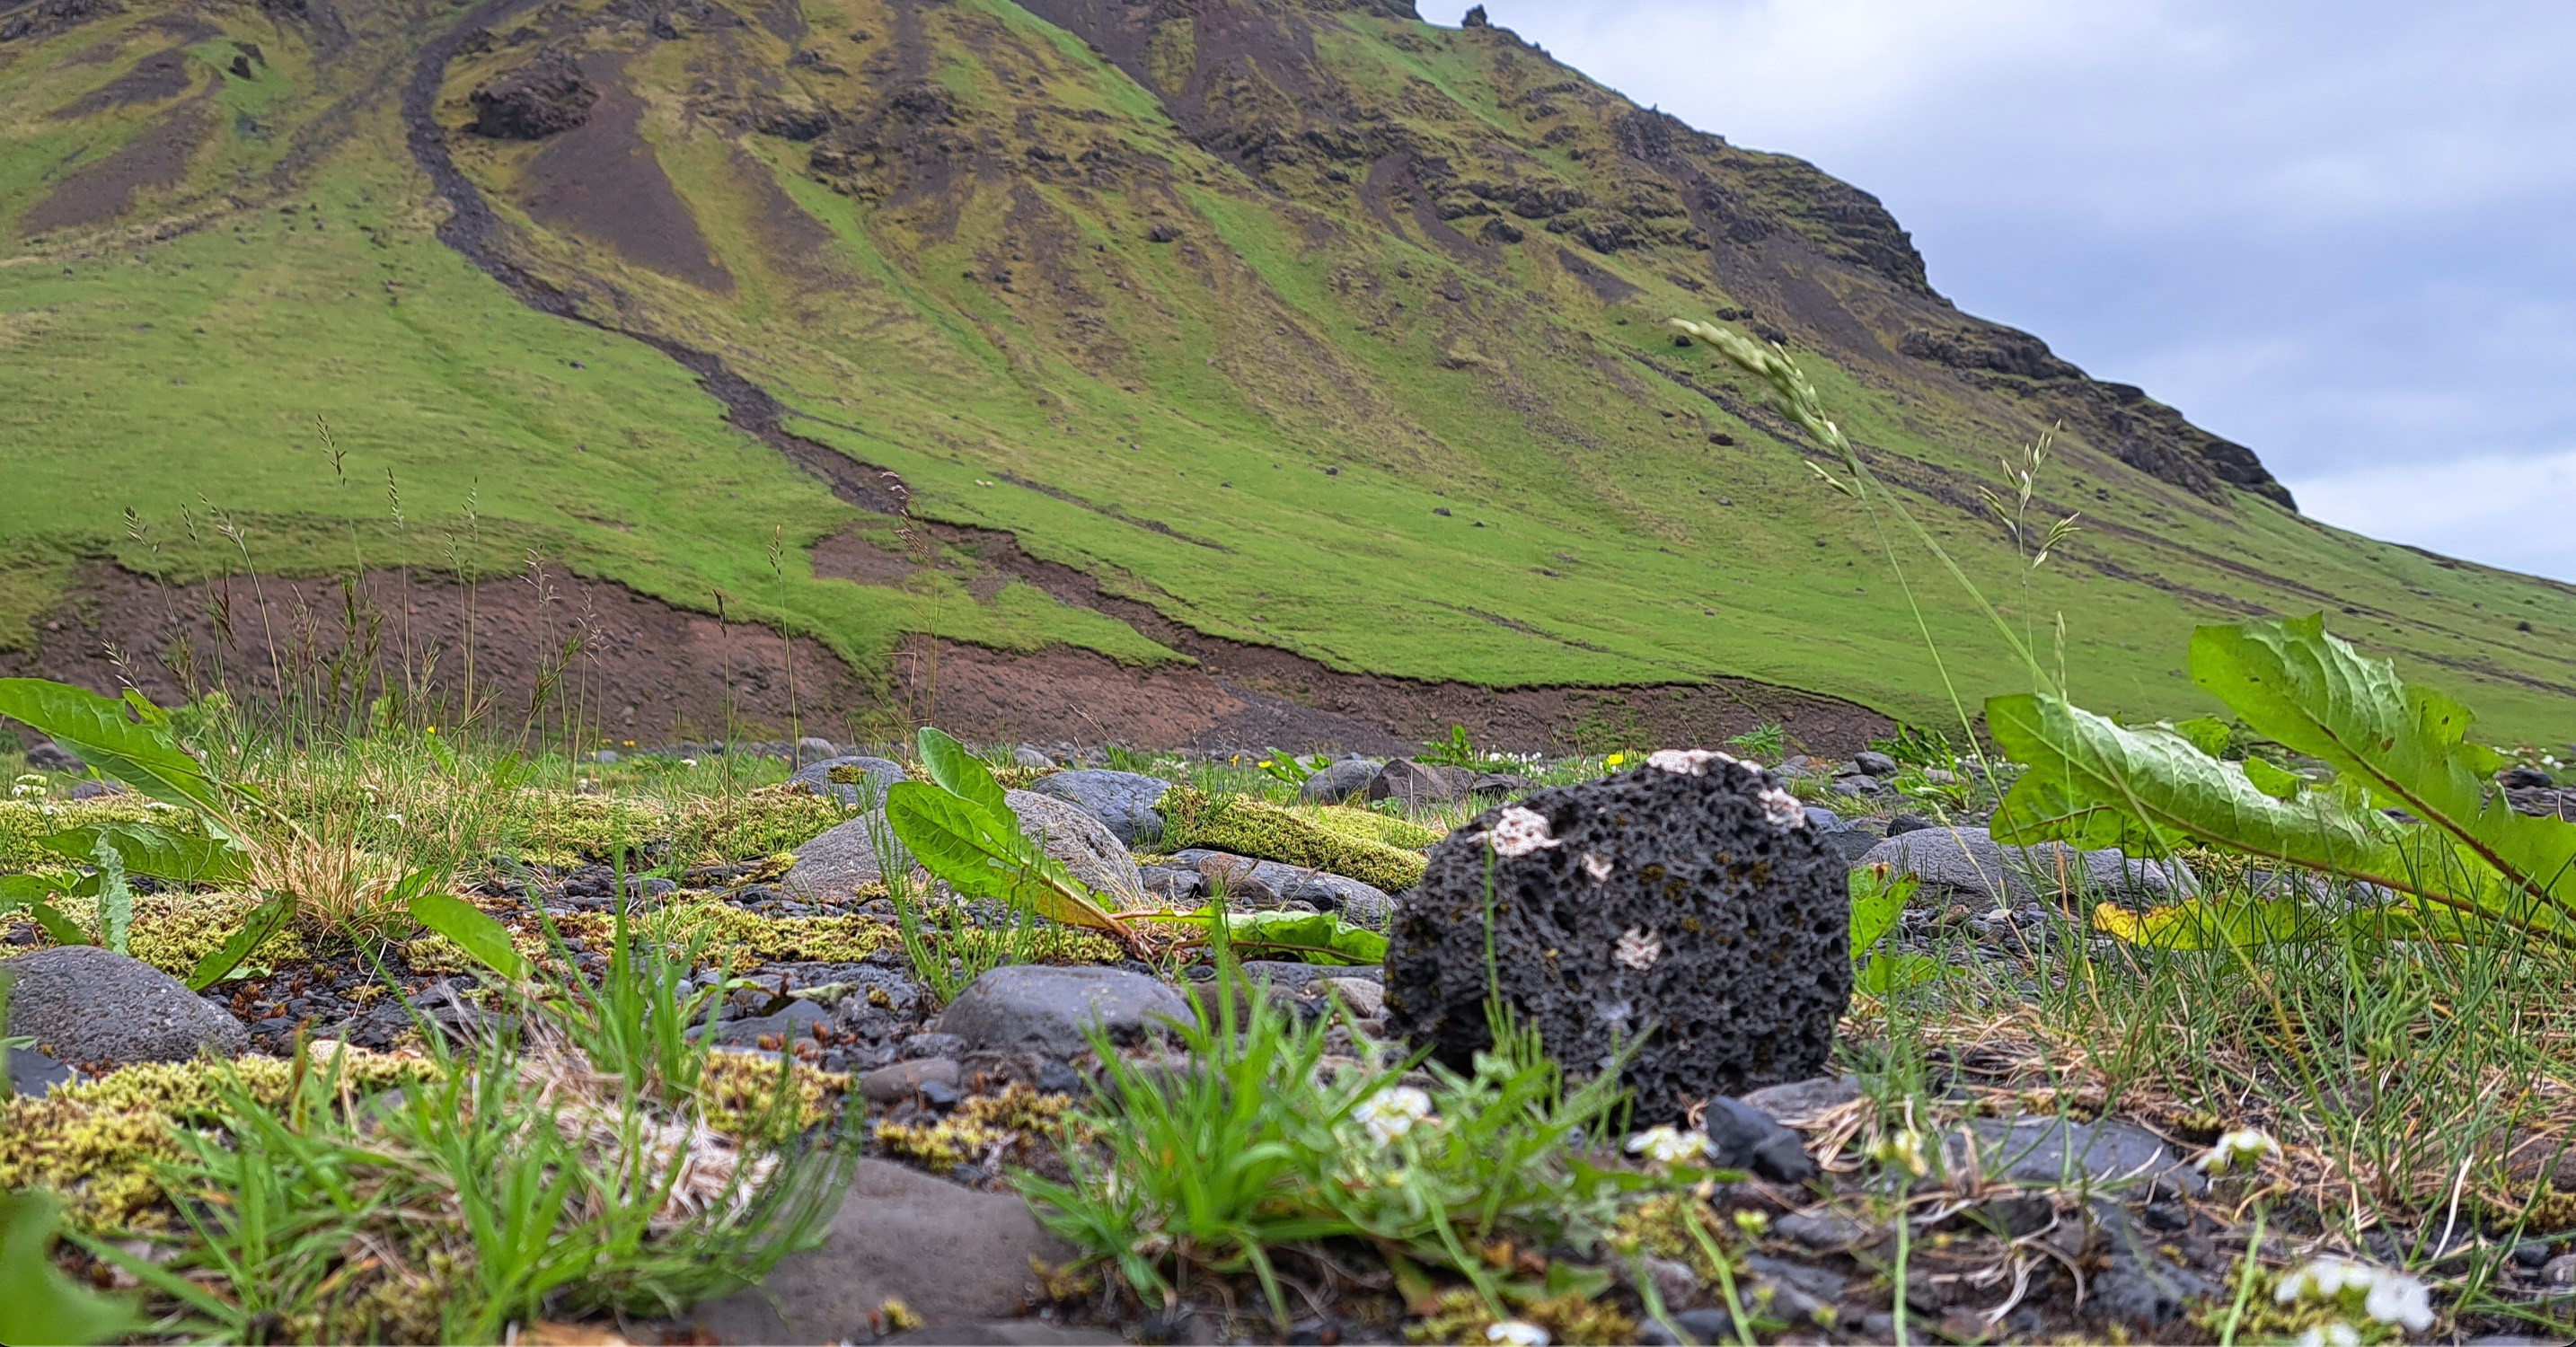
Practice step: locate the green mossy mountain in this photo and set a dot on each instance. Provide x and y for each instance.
(1309, 324)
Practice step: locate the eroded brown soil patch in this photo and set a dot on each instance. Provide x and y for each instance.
(104, 190)
(645, 670)
(156, 78)
(600, 181)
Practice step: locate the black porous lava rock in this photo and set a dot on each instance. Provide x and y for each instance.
(1696, 904)
(545, 97)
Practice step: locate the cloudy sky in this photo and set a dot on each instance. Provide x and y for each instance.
(2342, 233)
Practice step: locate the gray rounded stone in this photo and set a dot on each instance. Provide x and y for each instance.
(1032, 756)
(951, 1254)
(838, 863)
(1035, 1007)
(1123, 800)
(1343, 781)
(1085, 844)
(1968, 863)
(92, 1006)
(817, 777)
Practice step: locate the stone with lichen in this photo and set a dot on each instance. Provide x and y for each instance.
(1681, 908)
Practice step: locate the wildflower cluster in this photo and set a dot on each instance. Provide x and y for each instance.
(2386, 1295)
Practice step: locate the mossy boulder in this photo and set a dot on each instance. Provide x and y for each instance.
(1350, 842)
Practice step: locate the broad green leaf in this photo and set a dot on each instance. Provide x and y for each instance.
(964, 775)
(2273, 781)
(2209, 734)
(97, 730)
(2293, 682)
(1889, 972)
(264, 922)
(2215, 924)
(2095, 783)
(982, 856)
(1316, 937)
(17, 891)
(1877, 900)
(150, 849)
(58, 925)
(37, 1302)
(472, 930)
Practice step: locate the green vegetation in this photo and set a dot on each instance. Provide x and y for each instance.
(1253, 426)
(1263, 1150)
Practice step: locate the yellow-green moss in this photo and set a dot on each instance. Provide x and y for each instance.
(172, 931)
(96, 1143)
(555, 828)
(1368, 825)
(738, 1095)
(25, 823)
(975, 1127)
(771, 819)
(1250, 827)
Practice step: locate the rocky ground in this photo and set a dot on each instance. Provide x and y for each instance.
(1959, 1200)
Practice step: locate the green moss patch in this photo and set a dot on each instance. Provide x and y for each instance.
(1250, 827)
(97, 1143)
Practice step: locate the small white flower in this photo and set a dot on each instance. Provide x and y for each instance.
(1516, 1333)
(1638, 949)
(1781, 809)
(2335, 1334)
(1519, 832)
(1686, 761)
(688, 762)
(1597, 866)
(2322, 1279)
(2246, 1145)
(393, 818)
(1392, 1112)
(2396, 1298)
(2389, 1296)
(1668, 1145)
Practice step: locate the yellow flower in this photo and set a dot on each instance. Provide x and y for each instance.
(1614, 759)
(431, 730)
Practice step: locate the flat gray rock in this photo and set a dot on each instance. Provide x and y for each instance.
(1050, 1010)
(817, 777)
(950, 1253)
(91, 1006)
(2060, 1153)
(1124, 801)
(1085, 844)
(1968, 863)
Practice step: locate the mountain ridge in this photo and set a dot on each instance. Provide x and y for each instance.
(776, 196)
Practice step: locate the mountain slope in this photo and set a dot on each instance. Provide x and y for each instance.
(1306, 325)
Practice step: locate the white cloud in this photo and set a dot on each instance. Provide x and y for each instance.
(2327, 229)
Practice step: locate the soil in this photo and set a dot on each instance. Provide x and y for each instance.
(102, 191)
(647, 671)
(600, 181)
(156, 78)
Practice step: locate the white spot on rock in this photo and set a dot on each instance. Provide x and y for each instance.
(1781, 809)
(1519, 832)
(1638, 949)
(1597, 866)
